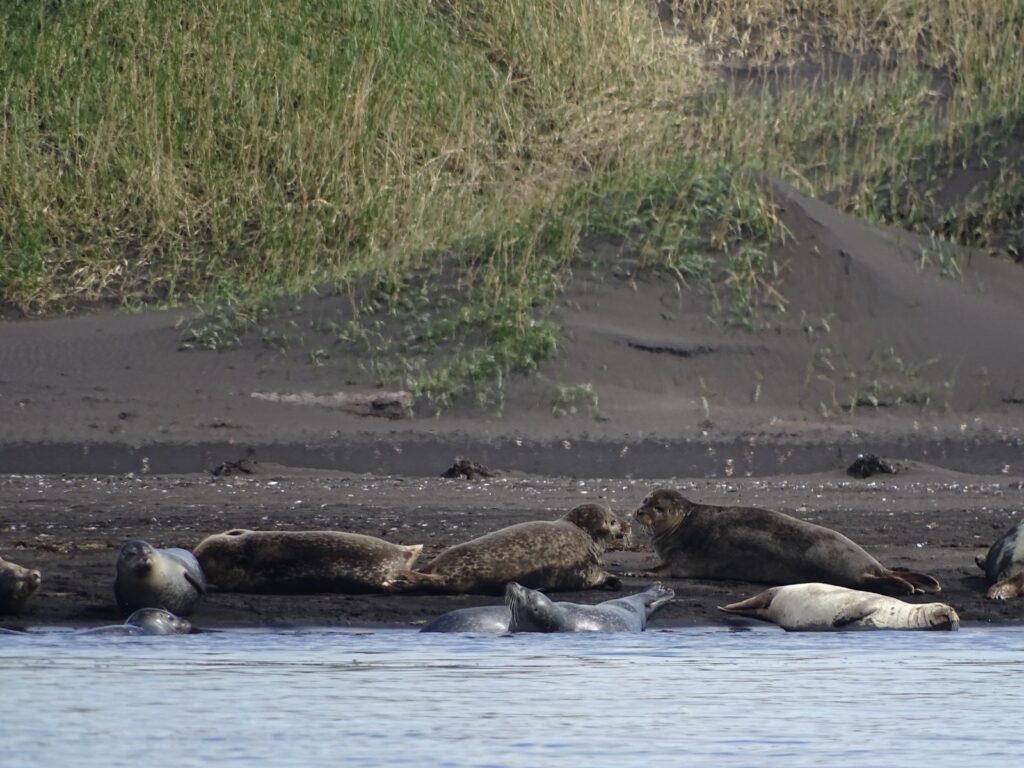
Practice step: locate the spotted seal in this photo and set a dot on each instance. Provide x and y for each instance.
(822, 607)
(703, 541)
(557, 555)
(1004, 565)
(145, 621)
(148, 577)
(533, 611)
(301, 561)
(17, 585)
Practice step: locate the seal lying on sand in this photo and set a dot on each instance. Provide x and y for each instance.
(301, 561)
(702, 541)
(148, 577)
(563, 554)
(17, 585)
(821, 607)
(145, 621)
(1004, 565)
(533, 611)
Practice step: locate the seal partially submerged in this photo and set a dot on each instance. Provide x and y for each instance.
(489, 619)
(302, 561)
(1004, 565)
(533, 611)
(17, 585)
(148, 577)
(822, 607)
(145, 621)
(703, 541)
(562, 554)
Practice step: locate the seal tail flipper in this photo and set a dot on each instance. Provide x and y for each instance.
(1007, 589)
(921, 582)
(753, 606)
(412, 552)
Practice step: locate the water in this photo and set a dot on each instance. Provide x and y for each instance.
(709, 696)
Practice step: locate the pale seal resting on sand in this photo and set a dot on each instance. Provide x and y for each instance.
(533, 611)
(302, 561)
(1004, 565)
(148, 577)
(823, 607)
(556, 555)
(17, 585)
(702, 541)
(145, 621)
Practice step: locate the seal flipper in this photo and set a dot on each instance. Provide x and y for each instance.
(404, 582)
(1007, 589)
(921, 582)
(852, 613)
(196, 583)
(981, 562)
(753, 606)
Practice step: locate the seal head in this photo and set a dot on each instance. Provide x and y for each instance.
(17, 585)
(148, 577)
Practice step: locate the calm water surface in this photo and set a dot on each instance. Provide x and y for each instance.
(710, 696)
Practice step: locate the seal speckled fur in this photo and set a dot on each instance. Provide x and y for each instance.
(822, 607)
(17, 585)
(703, 541)
(562, 554)
(301, 561)
(1004, 565)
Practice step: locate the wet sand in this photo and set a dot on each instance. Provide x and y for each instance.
(70, 527)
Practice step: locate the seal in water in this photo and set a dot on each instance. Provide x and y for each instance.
(145, 621)
(702, 541)
(1004, 565)
(17, 585)
(148, 577)
(301, 561)
(822, 607)
(562, 554)
(533, 611)
(489, 619)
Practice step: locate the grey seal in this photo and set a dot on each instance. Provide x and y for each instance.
(1004, 565)
(301, 561)
(703, 541)
(533, 611)
(822, 607)
(148, 577)
(489, 619)
(145, 621)
(17, 585)
(557, 555)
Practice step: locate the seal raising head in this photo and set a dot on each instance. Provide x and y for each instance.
(148, 577)
(703, 541)
(17, 585)
(533, 611)
(562, 554)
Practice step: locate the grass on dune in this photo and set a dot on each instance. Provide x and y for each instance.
(230, 153)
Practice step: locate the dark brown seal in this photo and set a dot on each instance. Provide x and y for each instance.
(703, 541)
(17, 585)
(301, 561)
(1004, 565)
(562, 554)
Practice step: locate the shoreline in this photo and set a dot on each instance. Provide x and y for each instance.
(70, 527)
